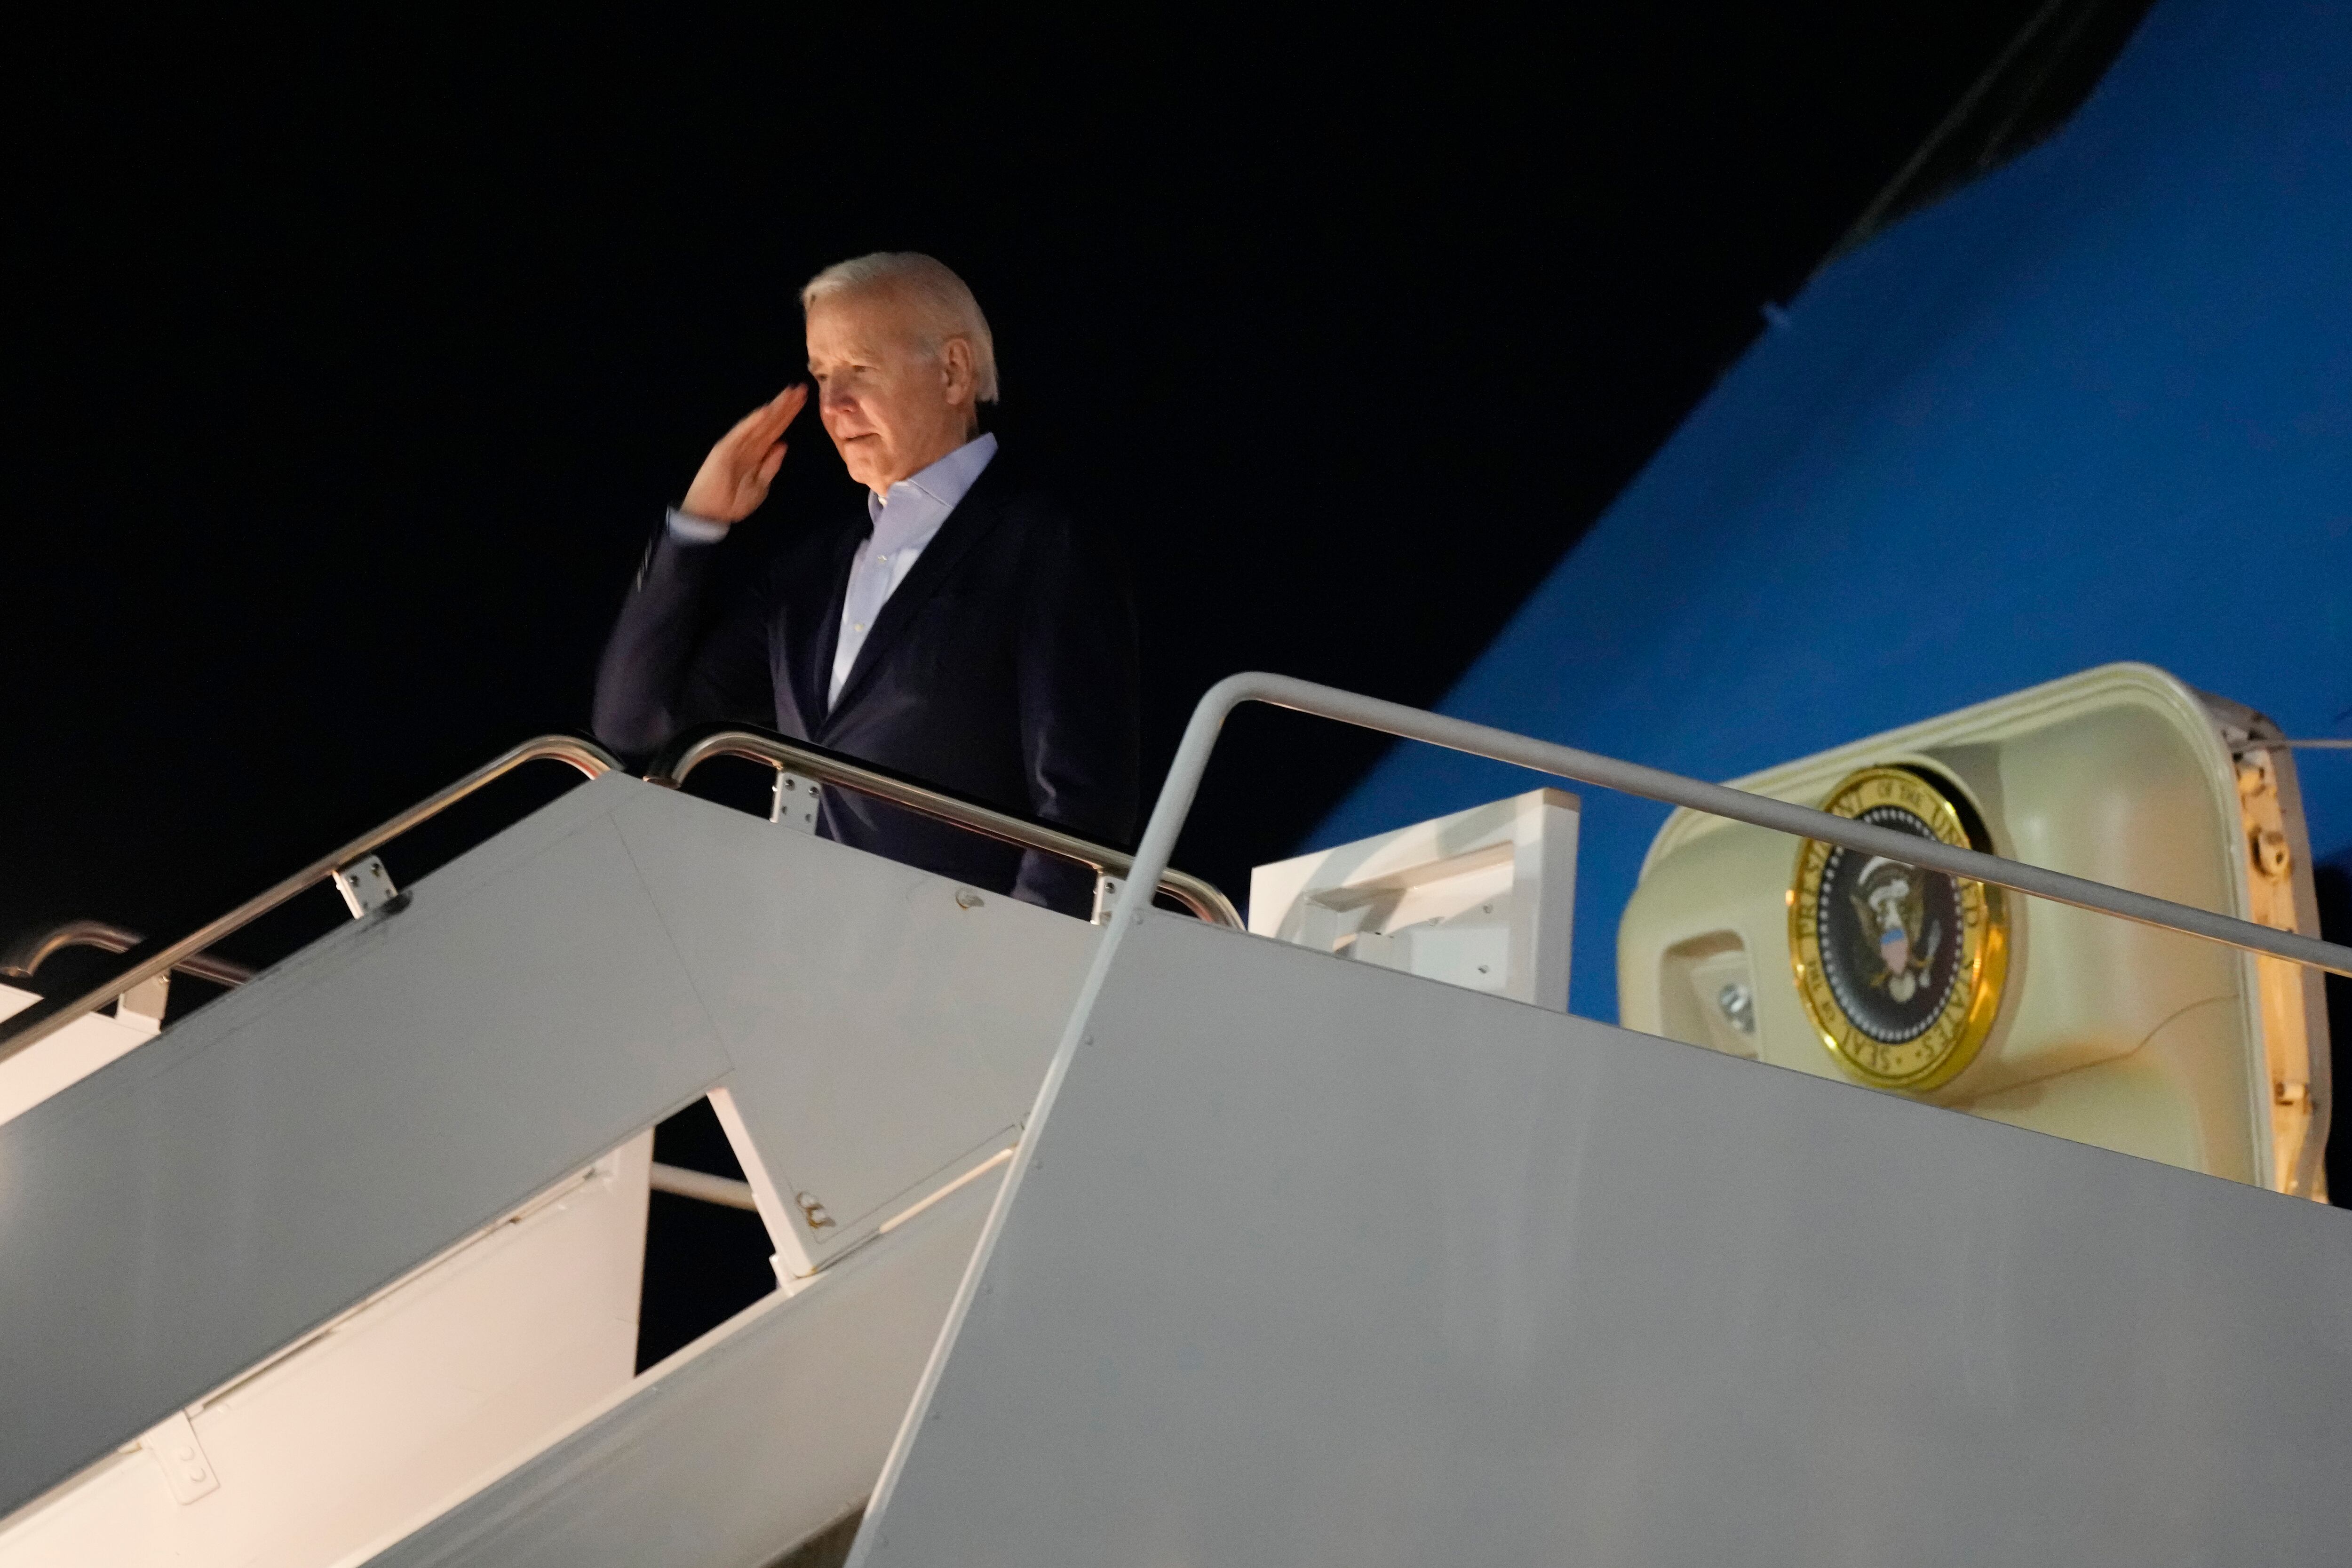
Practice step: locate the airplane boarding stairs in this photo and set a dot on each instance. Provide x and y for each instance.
(1299, 1260)
(180, 1216)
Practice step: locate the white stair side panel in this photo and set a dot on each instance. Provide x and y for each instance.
(889, 1029)
(742, 1446)
(177, 1215)
(510, 1338)
(1314, 1263)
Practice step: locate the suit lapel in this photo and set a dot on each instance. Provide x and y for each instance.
(972, 519)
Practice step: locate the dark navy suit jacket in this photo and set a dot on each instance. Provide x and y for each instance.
(1003, 669)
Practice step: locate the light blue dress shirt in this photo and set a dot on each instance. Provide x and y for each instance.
(905, 518)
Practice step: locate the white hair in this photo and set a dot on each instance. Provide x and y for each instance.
(945, 303)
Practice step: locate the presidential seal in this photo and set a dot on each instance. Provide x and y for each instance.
(1900, 969)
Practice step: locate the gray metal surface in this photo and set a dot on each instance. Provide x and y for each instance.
(171, 1219)
(175, 1217)
(729, 1457)
(887, 1034)
(1316, 1263)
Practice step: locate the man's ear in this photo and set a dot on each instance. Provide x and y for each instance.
(957, 371)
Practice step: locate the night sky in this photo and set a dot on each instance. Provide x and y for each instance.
(349, 371)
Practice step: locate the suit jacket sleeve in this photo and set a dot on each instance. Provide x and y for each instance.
(690, 647)
(1075, 651)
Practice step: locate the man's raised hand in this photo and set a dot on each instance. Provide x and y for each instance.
(734, 480)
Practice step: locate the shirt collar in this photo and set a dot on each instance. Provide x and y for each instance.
(942, 485)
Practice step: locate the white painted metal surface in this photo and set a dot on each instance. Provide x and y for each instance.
(365, 885)
(386, 1411)
(173, 1221)
(742, 1444)
(184, 1212)
(1313, 1263)
(887, 1030)
(1484, 897)
(2120, 1034)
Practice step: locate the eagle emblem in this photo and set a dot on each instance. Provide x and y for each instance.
(1900, 969)
(1890, 903)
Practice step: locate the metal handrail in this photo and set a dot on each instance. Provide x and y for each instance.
(1202, 898)
(586, 755)
(1717, 800)
(26, 957)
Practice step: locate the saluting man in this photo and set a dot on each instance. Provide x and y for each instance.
(957, 626)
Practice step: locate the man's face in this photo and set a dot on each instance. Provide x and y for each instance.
(891, 408)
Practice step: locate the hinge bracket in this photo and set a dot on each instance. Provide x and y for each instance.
(186, 1467)
(367, 887)
(146, 1000)
(795, 801)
